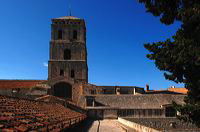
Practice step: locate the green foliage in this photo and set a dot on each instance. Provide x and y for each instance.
(189, 113)
(179, 57)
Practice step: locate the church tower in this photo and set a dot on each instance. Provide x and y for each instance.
(67, 67)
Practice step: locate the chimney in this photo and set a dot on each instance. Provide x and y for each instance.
(134, 91)
(147, 87)
(117, 90)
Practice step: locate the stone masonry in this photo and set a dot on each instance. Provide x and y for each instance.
(68, 57)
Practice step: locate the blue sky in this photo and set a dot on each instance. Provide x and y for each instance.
(116, 32)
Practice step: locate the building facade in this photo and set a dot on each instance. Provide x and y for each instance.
(68, 79)
(67, 66)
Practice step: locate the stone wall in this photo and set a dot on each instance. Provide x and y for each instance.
(113, 90)
(77, 91)
(79, 67)
(136, 126)
(164, 124)
(68, 57)
(102, 113)
(144, 101)
(114, 113)
(15, 91)
(75, 48)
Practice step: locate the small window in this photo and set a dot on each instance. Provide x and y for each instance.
(72, 74)
(158, 112)
(150, 112)
(170, 112)
(74, 34)
(61, 72)
(144, 112)
(59, 34)
(67, 54)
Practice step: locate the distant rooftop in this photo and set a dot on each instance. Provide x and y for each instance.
(19, 83)
(178, 90)
(144, 101)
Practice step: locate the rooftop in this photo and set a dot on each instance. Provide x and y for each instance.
(139, 101)
(9, 84)
(68, 18)
(178, 90)
(26, 115)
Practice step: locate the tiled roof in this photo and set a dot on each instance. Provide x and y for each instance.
(19, 83)
(68, 103)
(50, 98)
(178, 90)
(161, 92)
(169, 91)
(27, 115)
(145, 101)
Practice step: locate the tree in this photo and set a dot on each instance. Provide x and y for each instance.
(179, 57)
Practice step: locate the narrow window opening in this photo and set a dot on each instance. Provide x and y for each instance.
(67, 54)
(59, 34)
(150, 112)
(61, 72)
(72, 74)
(74, 34)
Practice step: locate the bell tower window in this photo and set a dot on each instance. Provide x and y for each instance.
(67, 54)
(75, 34)
(61, 72)
(72, 74)
(60, 34)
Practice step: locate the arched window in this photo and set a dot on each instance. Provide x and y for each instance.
(72, 74)
(67, 54)
(60, 34)
(61, 72)
(75, 34)
(63, 90)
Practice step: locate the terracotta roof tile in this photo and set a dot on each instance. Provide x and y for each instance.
(22, 128)
(178, 90)
(8, 130)
(19, 83)
(35, 115)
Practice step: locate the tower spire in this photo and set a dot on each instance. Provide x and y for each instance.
(70, 10)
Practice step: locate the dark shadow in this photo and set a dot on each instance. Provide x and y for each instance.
(84, 126)
(98, 126)
(99, 104)
(67, 54)
(63, 90)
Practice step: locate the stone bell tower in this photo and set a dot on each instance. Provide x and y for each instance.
(67, 67)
